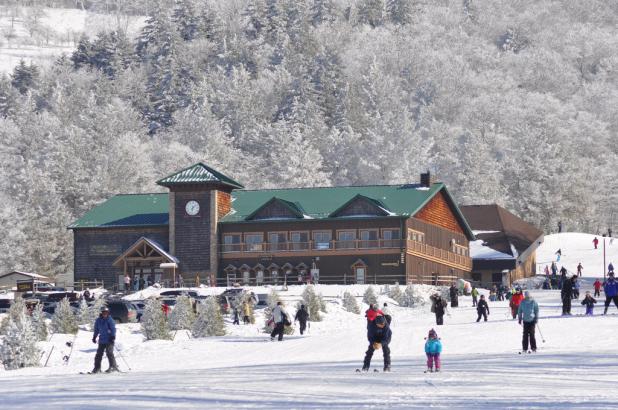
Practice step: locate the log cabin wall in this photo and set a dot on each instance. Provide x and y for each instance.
(436, 235)
(438, 212)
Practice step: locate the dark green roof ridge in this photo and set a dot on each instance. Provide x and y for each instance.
(197, 174)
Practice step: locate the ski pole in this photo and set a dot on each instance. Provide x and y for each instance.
(540, 333)
(121, 356)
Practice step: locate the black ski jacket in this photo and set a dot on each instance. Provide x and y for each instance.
(482, 306)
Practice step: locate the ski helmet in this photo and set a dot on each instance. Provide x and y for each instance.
(104, 309)
(380, 321)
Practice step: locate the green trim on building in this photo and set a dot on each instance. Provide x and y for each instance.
(198, 174)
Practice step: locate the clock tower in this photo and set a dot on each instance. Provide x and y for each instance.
(198, 197)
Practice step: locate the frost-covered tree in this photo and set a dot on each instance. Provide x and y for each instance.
(25, 77)
(182, 316)
(209, 321)
(18, 348)
(313, 303)
(17, 307)
(154, 323)
(350, 304)
(271, 301)
(411, 297)
(39, 323)
(399, 11)
(64, 320)
(369, 297)
(371, 12)
(88, 314)
(395, 293)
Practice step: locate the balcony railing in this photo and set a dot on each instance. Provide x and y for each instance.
(439, 253)
(313, 245)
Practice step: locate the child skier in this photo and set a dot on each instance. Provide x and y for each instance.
(433, 348)
(589, 302)
(482, 309)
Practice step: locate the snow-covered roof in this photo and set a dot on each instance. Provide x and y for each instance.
(32, 275)
(478, 250)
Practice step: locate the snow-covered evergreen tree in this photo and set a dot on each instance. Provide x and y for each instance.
(18, 348)
(88, 314)
(395, 293)
(312, 303)
(182, 316)
(64, 320)
(39, 323)
(369, 297)
(154, 323)
(17, 307)
(25, 77)
(271, 301)
(350, 304)
(411, 297)
(209, 321)
(399, 11)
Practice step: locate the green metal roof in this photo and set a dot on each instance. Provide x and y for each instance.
(293, 207)
(399, 201)
(127, 210)
(198, 174)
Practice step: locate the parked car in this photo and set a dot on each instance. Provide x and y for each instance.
(170, 302)
(5, 305)
(58, 296)
(140, 305)
(180, 292)
(122, 311)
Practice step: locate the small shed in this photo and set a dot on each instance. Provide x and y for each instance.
(9, 280)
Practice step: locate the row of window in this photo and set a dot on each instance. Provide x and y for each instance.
(418, 236)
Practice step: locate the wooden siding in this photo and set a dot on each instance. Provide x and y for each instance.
(438, 212)
(96, 249)
(275, 209)
(420, 270)
(437, 236)
(360, 206)
(224, 204)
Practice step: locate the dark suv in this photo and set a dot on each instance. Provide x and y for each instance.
(122, 311)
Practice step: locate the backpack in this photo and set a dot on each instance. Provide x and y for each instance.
(285, 319)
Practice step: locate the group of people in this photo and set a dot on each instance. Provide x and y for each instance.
(279, 319)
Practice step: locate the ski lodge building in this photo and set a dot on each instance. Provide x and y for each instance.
(209, 229)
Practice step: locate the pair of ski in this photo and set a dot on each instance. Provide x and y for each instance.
(526, 351)
(116, 371)
(374, 370)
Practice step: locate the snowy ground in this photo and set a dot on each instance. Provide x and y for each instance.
(576, 367)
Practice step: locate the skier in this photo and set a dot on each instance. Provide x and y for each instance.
(558, 255)
(482, 309)
(371, 313)
(610, 268)
(559, 226)
(379, 335)
(388, 315)
(279, 318)
(567, 294)
(236, 317)
(589, 302)
(554, 269)
(595, 241)
(576, 285)
(438, 307)
(433, 348)
(105, 328)
(597, 288)
(528, 311)
(515, 301)
(475, 295)
(579, 269)
(246, 312)
(454, 293)
(611, 291)
(302, 316)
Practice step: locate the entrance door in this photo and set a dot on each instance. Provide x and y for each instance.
(231, 278)
(121, 282)
(360, 275)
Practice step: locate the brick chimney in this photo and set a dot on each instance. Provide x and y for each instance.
(426, 179)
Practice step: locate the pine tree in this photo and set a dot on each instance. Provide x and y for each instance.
(39, 324)
(312, 303)
(369, 297)
(411, 297)
(350, 304)
(209, 320)
(8, 97)
(371, 12)
(272, 300)
(186, 19)
(88, 314)
(399, 11)
(323, 11)
(25, 77)
(17, 307)
(18, 348)
(182, 316)
(396, 294)
(64, 320)
(154, 323)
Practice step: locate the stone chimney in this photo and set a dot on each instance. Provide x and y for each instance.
(427, 179)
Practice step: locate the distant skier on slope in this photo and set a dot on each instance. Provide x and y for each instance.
(567, 294)
(516, 299)
(597, 287)
(433, 348)
(279, 318)
(475, 296)
(611, 291)
(105, 329)
(595, 242)
(580, 268)
(379, 336)
(482, 309)
(302, 316)
(528, 312)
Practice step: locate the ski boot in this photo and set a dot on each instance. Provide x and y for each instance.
(112, 369)
(387, 369)
(96, 370)
(429, 370)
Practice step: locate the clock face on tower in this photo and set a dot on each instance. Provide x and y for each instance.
(192, 208)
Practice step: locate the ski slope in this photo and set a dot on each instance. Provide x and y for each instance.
(576, 367)
(576, 248)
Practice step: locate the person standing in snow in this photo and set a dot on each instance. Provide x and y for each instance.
(454, 293)
(127, 283)
(610, 268)
(516, 299)
(379, 335)
(567, 294)
(576, 285)
(105, 329)
(554, 268)
(246, 312)
(438, 306)
(135, 283)
(279, 318)
(433, 348)
(388, 315)
(595, 242)
(609, 232)
(597, 288)
(559, 226)
(528, 312)
(580, 268)
(475, 295)
(589, 302)
(482, 309)
(611, 291)
(302, 316)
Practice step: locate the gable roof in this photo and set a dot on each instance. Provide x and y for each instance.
(32, 275)
(500, 229)
(152, 243)
(198, 174)
(374, 202)
(294, 208)
(127, 210)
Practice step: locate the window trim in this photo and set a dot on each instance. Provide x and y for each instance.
(315, 242)
(260, 245)
(350, 243)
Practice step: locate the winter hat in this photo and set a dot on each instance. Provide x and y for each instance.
(433, 334)
(527, 294)
(104, 309)
(380, 321)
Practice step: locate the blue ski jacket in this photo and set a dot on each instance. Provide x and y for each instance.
(610, 287)
(433, 346)
(105, 329)
(528, 310)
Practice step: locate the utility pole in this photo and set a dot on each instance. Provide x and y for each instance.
(604, 264)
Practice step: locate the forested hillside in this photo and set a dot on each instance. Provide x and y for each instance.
(505, 101)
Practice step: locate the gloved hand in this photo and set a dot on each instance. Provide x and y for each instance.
(112, 339)
(377, 345)
(94, 340)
